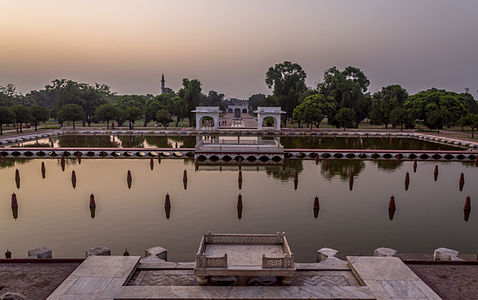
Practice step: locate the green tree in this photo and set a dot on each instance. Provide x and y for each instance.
(151, 107)
(470, 120)
(384, 102)
(120, 118)
(348, 88)
(308, 112)
(437, 118)
(132, 114)
(327, 105)
(256, 100)
(163, 117)
(89, 97)
(22, 114)
(191, 94)
(7, 95)
(177, 107)
(288, 82)
(471, 103)
(214, 99)
(71, 112)
(38, 114)
(345, 118)
(421, 105)
(399, 116)
(106, 113)
(474, 125)
(139, 101)
(7, 116)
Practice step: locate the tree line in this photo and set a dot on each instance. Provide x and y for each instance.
(342, 98)
(66, 100)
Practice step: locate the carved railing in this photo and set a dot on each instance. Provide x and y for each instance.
(277, 262)
(203, 261)
(250, 239)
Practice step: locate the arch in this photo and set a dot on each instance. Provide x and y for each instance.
(207, 122)
(229, 110)
(269, 121)
(237, 113)
(244, 110)
(269, 112)
(207, 112)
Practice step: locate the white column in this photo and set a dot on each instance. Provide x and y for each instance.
(216, 121)
(198, 119)
(277, 122)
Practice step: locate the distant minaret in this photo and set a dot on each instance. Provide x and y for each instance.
(162, 83)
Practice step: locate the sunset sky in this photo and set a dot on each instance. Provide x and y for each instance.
(229, 45)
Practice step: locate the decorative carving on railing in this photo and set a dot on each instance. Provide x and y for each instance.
(277, 262)
(203, 261)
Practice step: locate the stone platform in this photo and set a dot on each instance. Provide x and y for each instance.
(361, 277)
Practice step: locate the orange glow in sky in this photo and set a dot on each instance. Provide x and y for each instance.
(229, 45)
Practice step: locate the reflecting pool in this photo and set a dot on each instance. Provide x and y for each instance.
(54, 214)
(292, 142)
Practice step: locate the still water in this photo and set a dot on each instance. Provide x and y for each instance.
(52, 213)
(301, 142)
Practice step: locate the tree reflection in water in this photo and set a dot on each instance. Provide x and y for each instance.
(11, 162)
(287, 171)
(341, 168)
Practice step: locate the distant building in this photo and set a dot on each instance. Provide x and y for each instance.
(237, 110)
(163, 84)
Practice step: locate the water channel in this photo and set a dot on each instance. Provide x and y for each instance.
(296, 142)
(54, 214)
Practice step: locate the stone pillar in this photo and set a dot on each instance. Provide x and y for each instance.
(198, 121)
(277, 123)
(98, 251)
(159, 252)
(260, 119)
(385, 252)
(216, 122)
(324, 253)
(445, 254)
(42, 252)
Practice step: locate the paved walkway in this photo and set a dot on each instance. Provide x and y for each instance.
(450, 281)
(108, 277)
(34, 280)
(98, 277)
(390, 278)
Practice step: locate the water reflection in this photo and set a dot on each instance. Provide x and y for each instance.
(9, 162)
(286, 171)
(14, 206)
(316, 207)
(167, 206)
(43, 170)
(391, 208)
(389, 165)
(354, 222)
(85, 141)
(296, 142)
(314, 142)
(239, 207)
(17, 178)
(342, 168)
(132, 141)
(92, 206)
